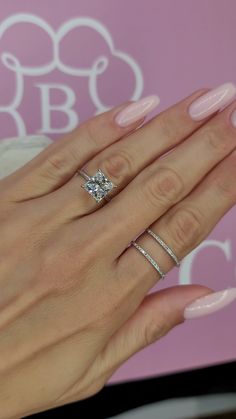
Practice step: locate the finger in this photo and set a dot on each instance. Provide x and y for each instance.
(58, 162)
(183, 227)
(166, 182)
(158, 313)
(123, 160)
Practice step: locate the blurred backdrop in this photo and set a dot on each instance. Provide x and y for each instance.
(62, 62)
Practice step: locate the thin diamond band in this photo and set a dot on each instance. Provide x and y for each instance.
(149, 258)
(164, 245)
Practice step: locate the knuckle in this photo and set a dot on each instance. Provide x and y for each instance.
(226, 187)
(215, 140)
(155, 329)
(57, 166)
(224, 179)
(81, 260)
(166, 126)
(118, 165)
(96, 133)
(59, 274)
(165, 187)
(86, 253)
(186, 229)
(92, 134)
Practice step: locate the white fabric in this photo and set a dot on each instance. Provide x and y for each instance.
(16, 151)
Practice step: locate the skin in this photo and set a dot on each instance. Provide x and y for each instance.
(74, 303)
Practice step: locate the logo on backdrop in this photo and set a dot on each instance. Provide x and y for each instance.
(45, 90)
(187, 264)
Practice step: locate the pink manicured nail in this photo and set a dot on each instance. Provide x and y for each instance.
(210, 303)
(212, 101)
(137, 110)
(233, 118)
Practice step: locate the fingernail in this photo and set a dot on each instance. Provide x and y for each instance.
(210, 303)
(212, 101)
(137, 110)
(233, 118)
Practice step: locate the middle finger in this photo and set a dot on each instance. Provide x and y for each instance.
(122, 161)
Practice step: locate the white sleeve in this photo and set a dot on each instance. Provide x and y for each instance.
(17, 151)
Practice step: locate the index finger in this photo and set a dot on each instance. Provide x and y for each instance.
(55, 165)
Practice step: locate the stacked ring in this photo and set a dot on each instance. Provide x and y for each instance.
(98, 186)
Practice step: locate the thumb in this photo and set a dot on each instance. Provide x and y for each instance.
(158, 313)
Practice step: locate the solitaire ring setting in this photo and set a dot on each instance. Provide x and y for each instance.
(98, 185)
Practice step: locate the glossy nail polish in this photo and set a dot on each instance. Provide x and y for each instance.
(137, 110)
(233, 118)
(210, 303)
(212, 101)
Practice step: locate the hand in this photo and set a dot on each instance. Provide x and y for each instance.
(73, 303)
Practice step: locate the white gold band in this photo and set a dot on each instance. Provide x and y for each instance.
(149, 258)
(164, 245)
(83, 174)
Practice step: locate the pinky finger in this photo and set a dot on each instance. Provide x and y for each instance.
(158, 313)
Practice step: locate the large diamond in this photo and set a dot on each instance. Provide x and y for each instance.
(102, 180)
(98, 186)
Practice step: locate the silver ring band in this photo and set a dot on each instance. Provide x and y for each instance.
(149, 258)
(83, 174)
(164, 245)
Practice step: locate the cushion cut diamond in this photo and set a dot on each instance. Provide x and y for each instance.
(98, 186)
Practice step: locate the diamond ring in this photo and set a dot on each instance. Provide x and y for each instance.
(97, 185)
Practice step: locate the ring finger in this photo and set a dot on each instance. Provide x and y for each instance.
(183, 227)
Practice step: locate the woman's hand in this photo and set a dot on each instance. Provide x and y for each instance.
(73, 303)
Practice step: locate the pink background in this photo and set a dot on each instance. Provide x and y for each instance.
(178, 46)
